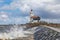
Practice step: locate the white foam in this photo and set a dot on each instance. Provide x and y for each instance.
(14, 32)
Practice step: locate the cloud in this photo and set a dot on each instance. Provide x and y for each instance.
(25, 7)
(45, 8)
(51, 20)
(49, 5)
(13, 20)
(3, 16)
(26, 3)
(1, 1)
(22, 20)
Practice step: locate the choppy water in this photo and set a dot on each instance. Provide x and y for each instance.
(12, 32)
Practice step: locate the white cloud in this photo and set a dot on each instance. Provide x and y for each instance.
(49, 5)
(53, 8)
(3, 16)
(27, 4)
(1, 1)
(25, 7)
(21, 20)
(51, 20)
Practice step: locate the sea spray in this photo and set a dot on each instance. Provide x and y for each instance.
(14, 32)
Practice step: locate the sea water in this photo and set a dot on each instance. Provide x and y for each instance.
(12, 32)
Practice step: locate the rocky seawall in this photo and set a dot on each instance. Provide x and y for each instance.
(44, 33)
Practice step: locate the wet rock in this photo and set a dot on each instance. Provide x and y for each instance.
(46, 34)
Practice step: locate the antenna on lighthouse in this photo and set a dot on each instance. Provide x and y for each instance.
(31, 10)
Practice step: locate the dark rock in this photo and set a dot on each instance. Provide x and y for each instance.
(46, 34)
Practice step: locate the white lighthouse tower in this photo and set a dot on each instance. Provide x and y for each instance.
(33, 17)
(31, 14)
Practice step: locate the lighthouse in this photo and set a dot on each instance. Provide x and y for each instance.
(33, 17)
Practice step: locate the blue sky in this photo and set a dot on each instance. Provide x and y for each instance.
(17, 11)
